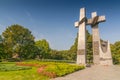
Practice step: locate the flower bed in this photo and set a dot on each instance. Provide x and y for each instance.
(63, 69)
(52, 69)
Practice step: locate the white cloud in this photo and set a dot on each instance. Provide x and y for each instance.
(29, 16)
(28, 13)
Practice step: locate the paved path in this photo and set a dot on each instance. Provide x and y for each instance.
(94, 73)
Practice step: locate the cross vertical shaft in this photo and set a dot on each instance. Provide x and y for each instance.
(96, 41)
(81, 53)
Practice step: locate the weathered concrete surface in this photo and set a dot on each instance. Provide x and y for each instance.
(81, 53)
(106, 57)
(96, 41)
(97, 72)
(101, 53)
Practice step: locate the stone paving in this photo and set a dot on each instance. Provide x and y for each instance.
(96, 72)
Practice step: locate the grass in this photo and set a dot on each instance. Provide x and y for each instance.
(12, 67)
(22, 75)
(14, 72)
(31, 70)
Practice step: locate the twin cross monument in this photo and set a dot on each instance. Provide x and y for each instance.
(101, 50)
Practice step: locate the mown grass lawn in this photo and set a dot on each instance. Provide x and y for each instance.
(35, 70)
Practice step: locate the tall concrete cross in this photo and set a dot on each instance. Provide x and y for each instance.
(81, 24)
(94, 21)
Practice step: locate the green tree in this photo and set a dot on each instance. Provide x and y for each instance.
(43, 48)
(55, 54)
(89, 47)
(18, 40)
(115, 48)
(2, 55)
(73, 50)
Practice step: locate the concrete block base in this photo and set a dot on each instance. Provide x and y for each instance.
(81, 60)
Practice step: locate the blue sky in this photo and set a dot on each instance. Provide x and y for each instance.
(53, 20)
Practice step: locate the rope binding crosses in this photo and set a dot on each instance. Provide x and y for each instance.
(83, 20)
(95, 20)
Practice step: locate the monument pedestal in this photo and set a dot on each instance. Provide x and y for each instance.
(105, 54)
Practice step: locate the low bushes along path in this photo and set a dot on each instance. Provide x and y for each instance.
(96, 72)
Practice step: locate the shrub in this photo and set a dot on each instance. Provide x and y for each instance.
(52, 69)
(62, 69)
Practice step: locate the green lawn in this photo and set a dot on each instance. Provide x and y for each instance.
(35, 70)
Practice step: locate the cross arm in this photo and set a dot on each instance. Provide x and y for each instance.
(76, 24)
(80, 22)
(100, 19)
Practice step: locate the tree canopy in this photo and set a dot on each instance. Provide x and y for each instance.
(2, 55)
(43, 47)
(115, 48)
(17, 39)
